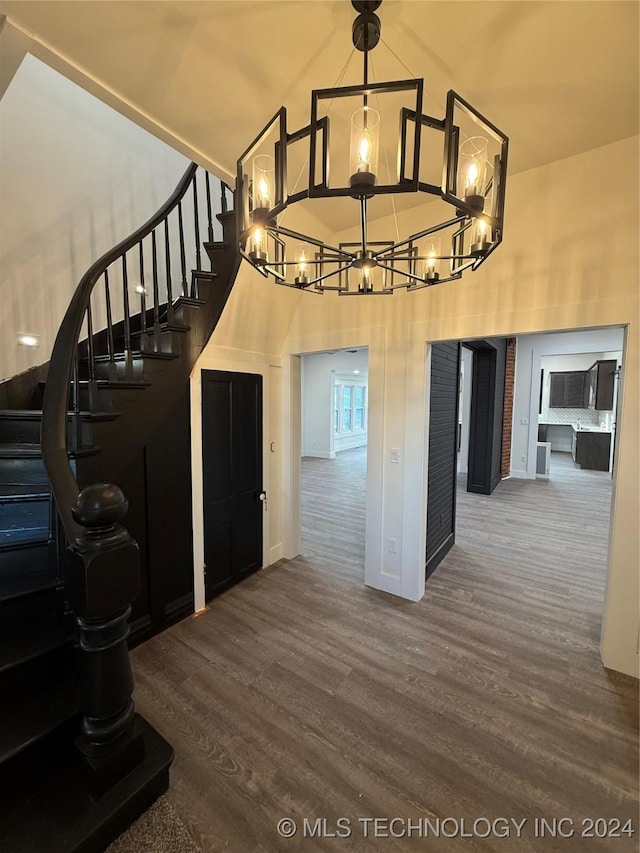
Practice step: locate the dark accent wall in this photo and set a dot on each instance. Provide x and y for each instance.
(487, 413)
(507, 417)
(442, 462)
(153, 468)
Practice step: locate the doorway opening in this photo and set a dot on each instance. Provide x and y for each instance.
(542, 534)
(334, 430)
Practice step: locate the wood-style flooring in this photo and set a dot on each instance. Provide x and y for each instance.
(304, 694)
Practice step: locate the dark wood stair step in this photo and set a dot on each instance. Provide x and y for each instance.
(24, 425)
(135, 355)
(45, 806)
(16, 588)
(31, 640)
(38, 708)
(13, 493)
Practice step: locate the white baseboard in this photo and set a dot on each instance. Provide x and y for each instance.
(318, 454)
(275, 554)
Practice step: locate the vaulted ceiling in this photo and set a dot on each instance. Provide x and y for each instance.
(559, 77)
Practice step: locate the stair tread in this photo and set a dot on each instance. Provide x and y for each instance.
(121, 356)
(24, 536)
(18, 493)
(36, 415)
(110, 383)
(17, 449)
(27, 717)
(204, 274)
(30, 641)
(164, 327)
(19, 587)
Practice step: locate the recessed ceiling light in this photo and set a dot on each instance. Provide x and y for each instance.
(28, 340)
(356, 371)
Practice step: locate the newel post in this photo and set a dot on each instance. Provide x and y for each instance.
(103, 579)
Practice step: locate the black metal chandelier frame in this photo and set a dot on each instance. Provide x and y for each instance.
(466, 251)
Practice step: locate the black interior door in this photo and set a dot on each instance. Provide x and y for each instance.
(232, 477)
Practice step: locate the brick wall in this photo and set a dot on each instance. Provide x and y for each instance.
(508, 406)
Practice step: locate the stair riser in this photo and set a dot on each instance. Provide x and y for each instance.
(18, 679)
(42, 608)
(28, 431)
(170, 341)
(27, 471)
(27, 563)
(24, 515)
(138, 369)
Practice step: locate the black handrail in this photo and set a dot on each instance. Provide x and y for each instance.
(56, 396)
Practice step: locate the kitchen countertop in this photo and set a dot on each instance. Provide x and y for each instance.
(574, 426)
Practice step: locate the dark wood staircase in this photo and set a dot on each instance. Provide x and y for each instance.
(77, 764)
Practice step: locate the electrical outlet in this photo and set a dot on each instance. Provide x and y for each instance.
(523, 458)
(395, 455)
(393, 546)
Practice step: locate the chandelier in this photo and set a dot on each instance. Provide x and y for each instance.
(460, 160)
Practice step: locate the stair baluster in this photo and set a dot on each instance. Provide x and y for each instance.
(196, 226)
(156, 293)
(209, 213)
(93, 387)
(111, 348)
(127, 319)
(183, 261)
(76, 428)
(167, 262)
(143, 300)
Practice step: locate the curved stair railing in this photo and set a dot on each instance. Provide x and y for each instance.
(102, 573)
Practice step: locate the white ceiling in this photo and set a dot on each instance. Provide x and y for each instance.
(558, 77)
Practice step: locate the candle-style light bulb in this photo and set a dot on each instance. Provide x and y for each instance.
(364, 151)
(264, 178)
(257, 237)
(431, 252)
(302, 265)
(263, 193)
(472, 179)
(472, 168)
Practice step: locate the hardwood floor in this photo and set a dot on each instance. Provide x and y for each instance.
(302, 693)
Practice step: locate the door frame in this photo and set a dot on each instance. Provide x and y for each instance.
(262, 366)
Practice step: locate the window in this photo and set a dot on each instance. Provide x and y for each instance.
(349, 406)
(347, 397)
(359, 407)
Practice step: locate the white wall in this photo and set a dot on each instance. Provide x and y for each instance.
(580, 272)
(318, 372)
(75, 178)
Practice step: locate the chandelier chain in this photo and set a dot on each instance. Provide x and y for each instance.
(406, 68)
(386, 157)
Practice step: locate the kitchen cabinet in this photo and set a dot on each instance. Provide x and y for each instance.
(569, 390)
(600, 385)
(591, 449)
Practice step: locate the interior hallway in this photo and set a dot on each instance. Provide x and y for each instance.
(302, 693)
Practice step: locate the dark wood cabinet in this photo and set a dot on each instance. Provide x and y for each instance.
(569, 390)
(591, 449)
(600, 386)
